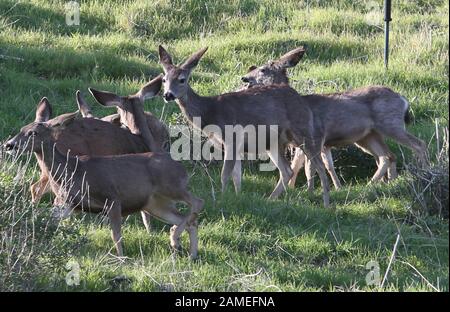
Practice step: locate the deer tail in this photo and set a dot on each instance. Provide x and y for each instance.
(407, 116)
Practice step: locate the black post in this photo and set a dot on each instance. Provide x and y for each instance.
(387, 19)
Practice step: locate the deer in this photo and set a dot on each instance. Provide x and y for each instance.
(363, 117)
(267, 106)
(88, 136)
(114, 185)
(128, 110)
(131, 116)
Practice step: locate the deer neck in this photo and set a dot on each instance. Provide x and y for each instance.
(56, 164)
(193, 105)
(137, 124)
(282, 79)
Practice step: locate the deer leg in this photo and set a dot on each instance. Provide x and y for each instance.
(196, 205)
(228, 166)
(312, 152)
(282, 164)
(146, 218)
(296, 165)
(382, 169)
(320, 168)
(165, 210)
(327, 158)
(192, 230)
(115, 220)
(392, 170)
(309, 172)
(416, 145)
(237, 175)
(40, 188)
(374, 145)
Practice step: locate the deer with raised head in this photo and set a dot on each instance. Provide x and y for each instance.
(129, 112)
(114, 185)
(88, 136)
(364, 117)
(266, 106)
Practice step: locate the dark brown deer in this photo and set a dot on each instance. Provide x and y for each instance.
(266, 106)
(114, 185)
(364, 117)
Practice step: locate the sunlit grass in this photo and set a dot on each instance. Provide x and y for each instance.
(247, 242)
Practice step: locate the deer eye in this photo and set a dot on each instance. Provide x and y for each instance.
(164, 80)
(31, 133)
(182, 80)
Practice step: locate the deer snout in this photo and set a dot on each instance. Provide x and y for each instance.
(245, 79)
(168, 96)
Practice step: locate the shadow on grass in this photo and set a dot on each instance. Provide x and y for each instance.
(65, 63)
(29, 16)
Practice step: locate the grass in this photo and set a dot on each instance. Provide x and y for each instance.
(247, 242)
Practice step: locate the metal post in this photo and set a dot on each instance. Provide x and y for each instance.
(387, 19)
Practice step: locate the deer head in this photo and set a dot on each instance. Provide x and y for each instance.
(124, 104)
(274, 72)
(32, 136)
(176, 78)
(130, 108)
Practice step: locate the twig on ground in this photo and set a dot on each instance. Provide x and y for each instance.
(420, 274)
(394, 251)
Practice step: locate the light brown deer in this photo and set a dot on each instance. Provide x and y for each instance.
(363, 117)
(266, 106)
(128, 111)
(89, 137)
(114, 185)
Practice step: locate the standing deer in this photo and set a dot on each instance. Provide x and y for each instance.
(89, 137)
(115, 185)
(363, 117)
(265, 106)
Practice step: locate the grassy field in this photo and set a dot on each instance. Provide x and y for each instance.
(247, 242)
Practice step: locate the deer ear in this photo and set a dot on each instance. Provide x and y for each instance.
(193, 60)
(43, 110)
(106, 98)
(83, 107)
(164, 58)
(150, 89)
(292, 58)
(252, 68)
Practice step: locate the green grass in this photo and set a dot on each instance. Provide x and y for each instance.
(247, 242)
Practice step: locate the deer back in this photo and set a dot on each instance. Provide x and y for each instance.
(89, 136)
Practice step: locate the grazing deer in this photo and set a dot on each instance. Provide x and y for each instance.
(116, 185)
(266, 106)
(89, 137)
(364, 117)
(129, 112)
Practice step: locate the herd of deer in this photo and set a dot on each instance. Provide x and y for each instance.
(120, 164)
